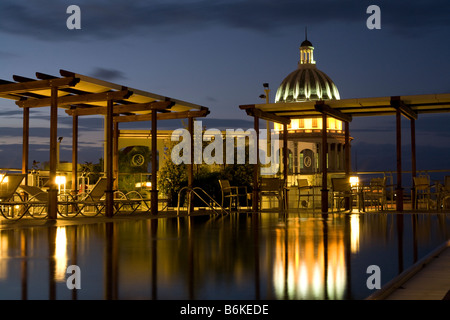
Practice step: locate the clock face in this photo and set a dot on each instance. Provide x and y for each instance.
(307, 161)
(137, 160)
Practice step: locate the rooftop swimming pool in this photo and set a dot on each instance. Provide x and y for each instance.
(238, 256)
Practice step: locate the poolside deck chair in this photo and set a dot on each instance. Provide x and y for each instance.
(12, 205)
(304, 191)
(273, 187)
(37, 202)
(375, 193)
(423, 191)
(233, 193)
(341, 189)
(93, 202)
(445, 193)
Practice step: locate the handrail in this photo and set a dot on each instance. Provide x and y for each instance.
(192, 190)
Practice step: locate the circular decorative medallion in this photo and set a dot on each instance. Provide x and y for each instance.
(307, 161)
(137, 160)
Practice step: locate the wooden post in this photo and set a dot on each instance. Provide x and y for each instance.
(285, 164)
(25, 143)
(324, 165)
(347, 159)
(255, 195)
(154, 191)
(399, 190)
(109, 205)
(116, 134)
(190, 166)
(413, 162)
(74, 154)
(53, 190)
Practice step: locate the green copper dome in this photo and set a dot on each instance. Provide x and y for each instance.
(307, 82)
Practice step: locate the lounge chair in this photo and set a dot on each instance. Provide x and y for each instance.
(37, 202)
(93, 202)
(12, 206)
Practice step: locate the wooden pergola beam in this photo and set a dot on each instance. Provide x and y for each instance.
(163, 116)
(408, 112)
(21, 87)
(251, 110)
(76, 99)
(405, 110)
(321, 107)
(129, 108)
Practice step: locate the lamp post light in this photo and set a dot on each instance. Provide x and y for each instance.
(61, 181)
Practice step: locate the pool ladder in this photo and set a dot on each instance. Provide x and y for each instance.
(212, 204)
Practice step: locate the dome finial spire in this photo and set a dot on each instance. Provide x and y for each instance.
(306, 51)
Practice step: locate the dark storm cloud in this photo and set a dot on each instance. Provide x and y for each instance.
(383, 157)
(40, 153)
(432, 124)
(5, 55)
(108, 74)
(46, 19)
(11, 113)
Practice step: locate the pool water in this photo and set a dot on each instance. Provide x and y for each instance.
(238, 256)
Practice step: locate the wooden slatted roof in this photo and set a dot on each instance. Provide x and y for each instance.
(83, 95)
(411, 106)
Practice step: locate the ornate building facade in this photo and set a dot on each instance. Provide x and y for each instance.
(307, 83)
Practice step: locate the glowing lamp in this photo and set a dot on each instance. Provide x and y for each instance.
(60, 181)
(143, 185)
(354, 181)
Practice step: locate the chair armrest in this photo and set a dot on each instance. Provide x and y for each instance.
(243, 187)
(134, 195)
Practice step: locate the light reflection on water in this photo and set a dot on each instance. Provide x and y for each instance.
(265, 256)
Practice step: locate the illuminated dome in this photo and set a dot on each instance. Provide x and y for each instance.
(307, 82)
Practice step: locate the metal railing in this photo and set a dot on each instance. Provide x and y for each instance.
(190, 191)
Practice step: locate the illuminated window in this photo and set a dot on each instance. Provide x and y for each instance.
(314, 123)
(332, 124)
(296, 157)
(301, 123)
(301, 161)
(294, 124)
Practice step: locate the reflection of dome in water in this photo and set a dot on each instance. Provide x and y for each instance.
(307, 82)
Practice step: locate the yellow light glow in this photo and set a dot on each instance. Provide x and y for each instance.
(294, 124)
(143, 184)
(3, 179)
(4, 245)
(308, 124)
(354, 181)
(61, 253)
(60, 180)
(299, 265)
(354, 233)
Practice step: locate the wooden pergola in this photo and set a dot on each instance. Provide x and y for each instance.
(408, 106)
(81, 95)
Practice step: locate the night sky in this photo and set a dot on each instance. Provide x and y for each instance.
(219, 53)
